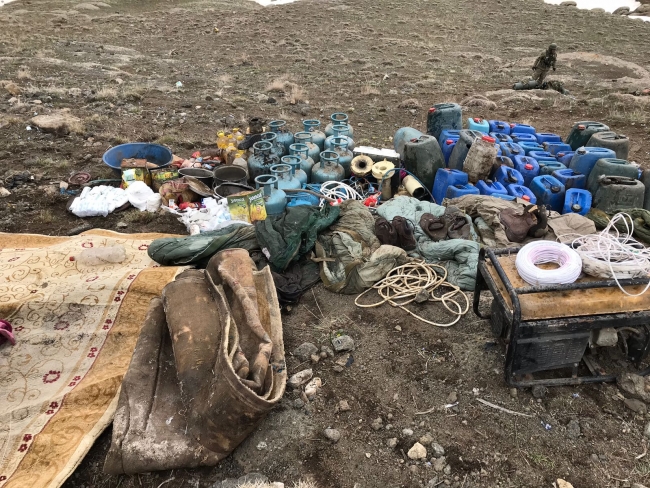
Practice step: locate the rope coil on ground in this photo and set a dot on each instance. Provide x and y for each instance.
(417, 282)
(541, 252)
(614, 255)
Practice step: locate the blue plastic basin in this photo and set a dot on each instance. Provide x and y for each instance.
(159, 155)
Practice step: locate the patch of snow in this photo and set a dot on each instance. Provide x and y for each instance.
(5, 2)
(266, 3)
(607, 5)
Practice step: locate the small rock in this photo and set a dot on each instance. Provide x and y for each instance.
(4, 192)
(412, 103)
(315, 358)
(344, 406)
(621, 11)
(389, 426)
(262, 446)
(573, 428)
(636, 405)
(426, 439)
(413, 469)
(338, 369)
(433, 483)
(453, 397)
(122, 225)
(513, 392)
(392, 442)
(343, 343)
(323, 355)
(439, 464)
(438, 450)
(12, 88)
(208, 98)
(447, 470)
(327, 350)
(298, 403)
(418, 451)
(539, 391)
(407, 432)
(305, 350)
(633, 385)
(368, 455)
(271, 100)
(37, 102)
(12, 101)
(377, 424)
(560, 482)
(398, 328)
(332, 434)
(312, 387)
(300, 378)
(594, 458)
(646, 431)
(569, 3)
(638, 485)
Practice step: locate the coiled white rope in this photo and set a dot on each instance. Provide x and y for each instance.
(615, 255)
(337, 190)
(417, 282)
(540, 252)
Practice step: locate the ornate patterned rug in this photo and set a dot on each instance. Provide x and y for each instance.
(75, 327)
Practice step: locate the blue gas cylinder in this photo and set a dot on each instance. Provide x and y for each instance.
(456, 191)
(317, 136)
(490, 187)
(527, 166)
(328, 169)
(340, 146)
(556, 147)
(449, 134)
(478, 124)
(313, 150)
(523, 137)
(501, 137)
(338, 118)
(543, 137)
(262, 159)
(570, 179)
(447, 146)
(278, 148)
(286, 179)
(340, 130)
(549, 191)
(284, 137)
(548, 167)
(275, 200)
(444, 116)
(520, 191)
(296, 170)
(577, 201)
(508, 176)
(528, 147)
(565, 157)
(511, 149)
(585, 158)
(499, 126)
(306, 162)
(522, 129)
(542, 156)
(445, 178)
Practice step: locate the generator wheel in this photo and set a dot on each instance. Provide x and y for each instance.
(498, 321)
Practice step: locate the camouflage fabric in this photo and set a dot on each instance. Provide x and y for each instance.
(544, 63)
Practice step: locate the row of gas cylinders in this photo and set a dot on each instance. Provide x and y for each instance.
(308, 145)
(509, 161)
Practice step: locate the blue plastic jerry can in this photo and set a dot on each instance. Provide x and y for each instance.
(528, 147)
(478, 124)
(556, 147)
(577, 201)
(499, 126)
(520, 191)
(522, 129)
(446, 177)
(543, 137)
(523, 137)
(456, 191)
(548, 167)
(511, 149)
(527, 166)
(490, 187)
(549, 191)
(570, 179)
(508, 176)
(501, 137)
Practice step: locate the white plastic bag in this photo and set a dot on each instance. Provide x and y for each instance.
(138, 193)
(154, 202)
(98, 201)
(102, 255)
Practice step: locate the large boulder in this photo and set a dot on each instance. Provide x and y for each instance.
(61, 123)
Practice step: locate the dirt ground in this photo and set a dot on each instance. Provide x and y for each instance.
(115, 66)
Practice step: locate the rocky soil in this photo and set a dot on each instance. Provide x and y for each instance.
(107, 73)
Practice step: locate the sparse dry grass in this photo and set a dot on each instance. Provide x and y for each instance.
(106, 93)
(370, 90)
(137, 217)
(24, 74)
(46, 216)
(292, 92)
